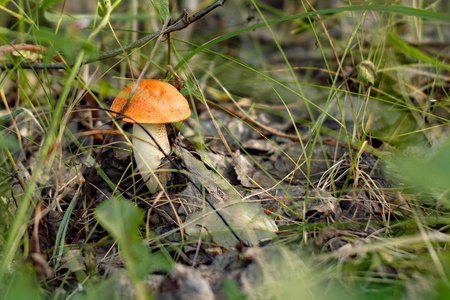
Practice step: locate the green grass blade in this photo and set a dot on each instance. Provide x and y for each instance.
(16, 15)
(408, 11)
(415, 53)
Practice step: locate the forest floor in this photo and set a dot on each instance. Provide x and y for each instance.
(313, 165)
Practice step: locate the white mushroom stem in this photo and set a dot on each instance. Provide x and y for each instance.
(148, 156)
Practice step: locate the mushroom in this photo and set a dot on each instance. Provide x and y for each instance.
(154, 104)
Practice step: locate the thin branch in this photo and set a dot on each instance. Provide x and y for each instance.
(182, 23)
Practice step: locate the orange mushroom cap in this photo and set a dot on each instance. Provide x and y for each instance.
(154, 102)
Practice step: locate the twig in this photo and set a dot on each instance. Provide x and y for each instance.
(183, 22)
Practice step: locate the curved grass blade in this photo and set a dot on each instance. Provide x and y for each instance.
(407, 11)
(415, 53)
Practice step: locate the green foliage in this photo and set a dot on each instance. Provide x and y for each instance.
(406, 49)
(68, 44)
(231, 291)
(21, 285)
(122, 220)
(46, 4)
(427, 169)
(8, 142)
(8, 117)
(162, 7)
(14, 14)
(6, 218)
(443, 287)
